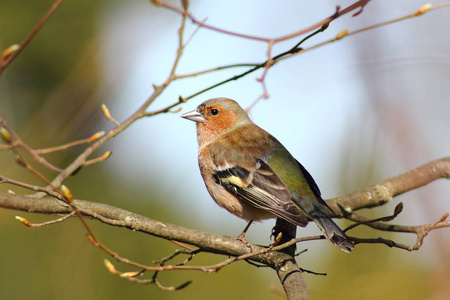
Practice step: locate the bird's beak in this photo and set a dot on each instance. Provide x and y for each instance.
(194, 116)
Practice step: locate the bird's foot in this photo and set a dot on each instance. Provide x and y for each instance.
(242, 238)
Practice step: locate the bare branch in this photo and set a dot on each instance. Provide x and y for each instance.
(296, 50)
(358, 4)
(59, 220)
(347, 33)
(4, 63)
(421, 231)
(90, 139)
(382, 193)
(15, 142)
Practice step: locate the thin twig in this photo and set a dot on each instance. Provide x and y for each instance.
(296, 50)
(421, 231)
(71, 144)
(10, 58)
(363, 221)
(59, 220)
(359, 4)
(139, 113)
(104, 156)
(30, 187)
(109, 116)
(17, 142)
(216, 69)
(350, 33)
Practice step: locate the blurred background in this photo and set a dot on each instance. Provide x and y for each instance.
(354, 112)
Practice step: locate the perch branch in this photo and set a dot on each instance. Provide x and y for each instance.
(288, 271)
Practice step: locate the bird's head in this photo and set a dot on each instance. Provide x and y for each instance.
(215, 117)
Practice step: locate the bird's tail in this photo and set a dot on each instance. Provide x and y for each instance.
(330, 229)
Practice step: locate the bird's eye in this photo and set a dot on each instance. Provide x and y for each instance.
(214, 111)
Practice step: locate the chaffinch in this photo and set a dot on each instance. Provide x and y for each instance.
(248, 172)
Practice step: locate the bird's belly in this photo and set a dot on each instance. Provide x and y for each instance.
(237, 207)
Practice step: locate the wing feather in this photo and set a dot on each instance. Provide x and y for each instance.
(262, 188)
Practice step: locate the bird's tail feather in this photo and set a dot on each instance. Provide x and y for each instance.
(330, 229)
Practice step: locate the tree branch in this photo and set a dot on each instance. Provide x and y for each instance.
(287, 270)
(382, 193)
(284, 264)
(374, 196)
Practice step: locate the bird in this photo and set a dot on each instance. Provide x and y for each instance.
(248, 172)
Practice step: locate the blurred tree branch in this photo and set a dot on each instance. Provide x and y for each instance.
(13, 51)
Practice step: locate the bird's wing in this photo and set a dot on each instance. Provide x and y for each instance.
(313, 185)
(261, 187)
(264, 174)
